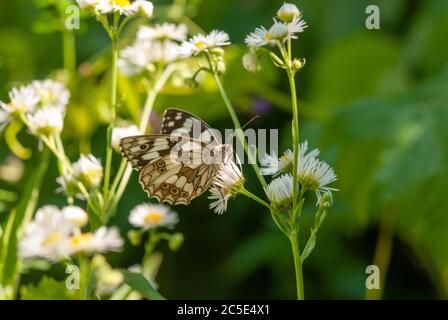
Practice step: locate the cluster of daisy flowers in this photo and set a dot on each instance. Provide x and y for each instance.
(56, 234)
(41, 105)
(122, 7)
(313, 175)
(153, 46)
(288, 25)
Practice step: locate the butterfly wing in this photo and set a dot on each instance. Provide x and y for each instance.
(179, 122)
(172, 169)
(178, 182)
(141, 150)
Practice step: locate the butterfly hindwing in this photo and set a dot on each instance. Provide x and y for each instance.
(177, 182)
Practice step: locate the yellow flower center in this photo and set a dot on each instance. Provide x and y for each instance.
(80, 238)
(51, 239)
(121, 3)
(267, 36)
(153, 217)
(200, 45)
(309, 181)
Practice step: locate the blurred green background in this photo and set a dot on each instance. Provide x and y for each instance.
(374, 101)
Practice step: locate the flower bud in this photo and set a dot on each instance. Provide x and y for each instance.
(145, 8)
(326, 201)
(176, 241)
(221, 66)
(75, 215)
(217, 52)
(288, 12)
(298, 64)
(191, 83)
(98, 261)
(135, 237)
(87, 4)
(251, 63)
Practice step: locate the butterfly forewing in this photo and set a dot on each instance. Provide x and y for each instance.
(141, 150)
(179, 122)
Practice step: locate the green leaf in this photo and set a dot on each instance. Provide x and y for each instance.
(17, 220)
(139, 283)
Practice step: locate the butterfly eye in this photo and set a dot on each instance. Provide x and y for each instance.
(164, 185)
(160, 163)
(162, 170)
(212, 153)
(174, 190)
(143, 146)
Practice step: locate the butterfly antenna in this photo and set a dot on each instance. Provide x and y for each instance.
(250, 121)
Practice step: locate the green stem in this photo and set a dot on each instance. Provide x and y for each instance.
(237, 125)
(69, 53)
(296, 136)
(383, 251)
(86, 277)
(250, 195)
(122, 178)
(297, 264)
(113, 109)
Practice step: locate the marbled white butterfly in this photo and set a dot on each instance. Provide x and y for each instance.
(180, 163)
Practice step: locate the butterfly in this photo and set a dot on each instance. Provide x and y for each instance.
(180, 163)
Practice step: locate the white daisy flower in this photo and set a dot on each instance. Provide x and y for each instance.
(279, 31)
(102, 240)
(148, 216)
(144, 55)
(119, 133)
(46, 121)
(88, 171)
(22, 99)
(280, 190)
(164, 52)
(75, 215)
(52, 94)
(271, 165)
(47, 235)
(134, 59)
(201, 43)
(227, 183)
(259, 38)
(145, 8)
(315, 175)
(123, 7)
(297, 25)
(162, 32)
(288, 12)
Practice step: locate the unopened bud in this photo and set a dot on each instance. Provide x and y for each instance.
(288, 12)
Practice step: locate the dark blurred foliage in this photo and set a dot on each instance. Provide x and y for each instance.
(374, 101)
